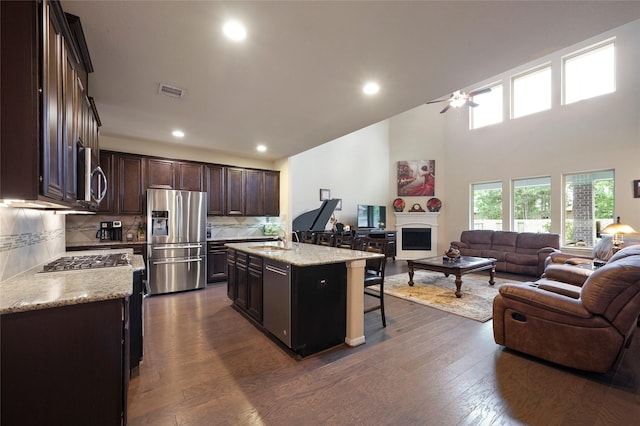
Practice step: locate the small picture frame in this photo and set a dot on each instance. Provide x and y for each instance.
(325, 194)
(636, 188)
(339, 205)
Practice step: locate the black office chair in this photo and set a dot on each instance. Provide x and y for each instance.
(374, 272)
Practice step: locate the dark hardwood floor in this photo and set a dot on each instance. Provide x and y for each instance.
(205, 364)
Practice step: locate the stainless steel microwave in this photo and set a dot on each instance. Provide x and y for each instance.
(92, 181)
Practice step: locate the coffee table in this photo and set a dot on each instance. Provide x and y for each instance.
(463, 265)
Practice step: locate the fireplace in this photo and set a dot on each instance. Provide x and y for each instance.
(416, 239)
(417, 235)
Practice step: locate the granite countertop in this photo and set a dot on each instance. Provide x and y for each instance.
(252, 238)
(302, 254)
(33, 289)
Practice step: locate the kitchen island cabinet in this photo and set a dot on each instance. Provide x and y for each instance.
(304, 258)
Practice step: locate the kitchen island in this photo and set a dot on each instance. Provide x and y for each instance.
(303, 255)
(68, 343)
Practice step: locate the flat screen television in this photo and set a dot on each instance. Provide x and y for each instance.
(371, 217)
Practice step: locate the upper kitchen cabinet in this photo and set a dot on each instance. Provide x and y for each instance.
(40, 102)
(271, 193)
(125, 183)
(160, 173)
(235, 191)
(262, 193)
(131, 187)
(254, 193)
(215, 189)
(189, 176)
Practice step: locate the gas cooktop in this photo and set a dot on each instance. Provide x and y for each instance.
(71, 263)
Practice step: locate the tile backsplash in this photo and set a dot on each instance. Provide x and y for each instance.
(83, 228)
(28, 238)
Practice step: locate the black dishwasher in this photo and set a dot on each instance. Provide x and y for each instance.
(305, 307)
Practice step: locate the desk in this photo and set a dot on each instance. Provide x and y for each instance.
(464, 265)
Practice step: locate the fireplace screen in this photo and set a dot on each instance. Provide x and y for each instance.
(416, 238)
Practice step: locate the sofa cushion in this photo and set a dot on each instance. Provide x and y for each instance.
(531, 242)
(500, 256)
(477, 239)
(522, 259)
(504, 241)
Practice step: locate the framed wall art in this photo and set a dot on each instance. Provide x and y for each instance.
(636, 188)
(417, 178)
(325, 194)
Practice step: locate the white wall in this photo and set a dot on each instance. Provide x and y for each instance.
(354, 167)
(595, 134)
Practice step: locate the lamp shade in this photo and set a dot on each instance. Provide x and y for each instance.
(618, 228)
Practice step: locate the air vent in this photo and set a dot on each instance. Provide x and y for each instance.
(167, 90)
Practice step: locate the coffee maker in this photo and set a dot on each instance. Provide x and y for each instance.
(110, 231)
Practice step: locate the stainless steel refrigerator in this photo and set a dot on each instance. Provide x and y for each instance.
(176, 234)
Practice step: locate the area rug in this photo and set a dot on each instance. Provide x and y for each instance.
(437, 291)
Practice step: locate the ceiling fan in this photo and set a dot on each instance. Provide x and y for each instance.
(459, 98)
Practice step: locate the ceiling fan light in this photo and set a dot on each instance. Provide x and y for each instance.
(458, 102)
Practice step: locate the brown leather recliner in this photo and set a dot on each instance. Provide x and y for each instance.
(585, 327)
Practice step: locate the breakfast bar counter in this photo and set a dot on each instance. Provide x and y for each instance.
(310, 255)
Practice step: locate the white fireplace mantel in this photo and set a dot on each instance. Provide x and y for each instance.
(417, 220)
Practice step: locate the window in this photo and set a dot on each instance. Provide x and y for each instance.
(589, 73)
(487, 206)
(531, 92)
(588, 206)
(489, 109)
(532, 205)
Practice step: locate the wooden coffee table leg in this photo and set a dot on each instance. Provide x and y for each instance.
(410, 273)
(458, 285)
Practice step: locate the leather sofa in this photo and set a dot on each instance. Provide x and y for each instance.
(515, 252)
(584, 327)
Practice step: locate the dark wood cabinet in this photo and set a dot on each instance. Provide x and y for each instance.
(215, 189)
(190, 176)
(125, 184)
(41, 103)
(271, 193)
(53, 173)
(216, 262)
(66, 365)
(254, 193)
(254, 288)
(232, 282)
(242, 280)
(235, 191)
(160, 173)
(131, 186)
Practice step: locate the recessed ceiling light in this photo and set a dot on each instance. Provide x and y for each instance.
(178, 133)
(261, 148)
(234, 30)
(371, 88)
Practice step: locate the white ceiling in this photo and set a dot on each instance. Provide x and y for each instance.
(296, 81)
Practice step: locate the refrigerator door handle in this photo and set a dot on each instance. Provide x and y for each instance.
(165, 262)
(180, 214)
(188, 246)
